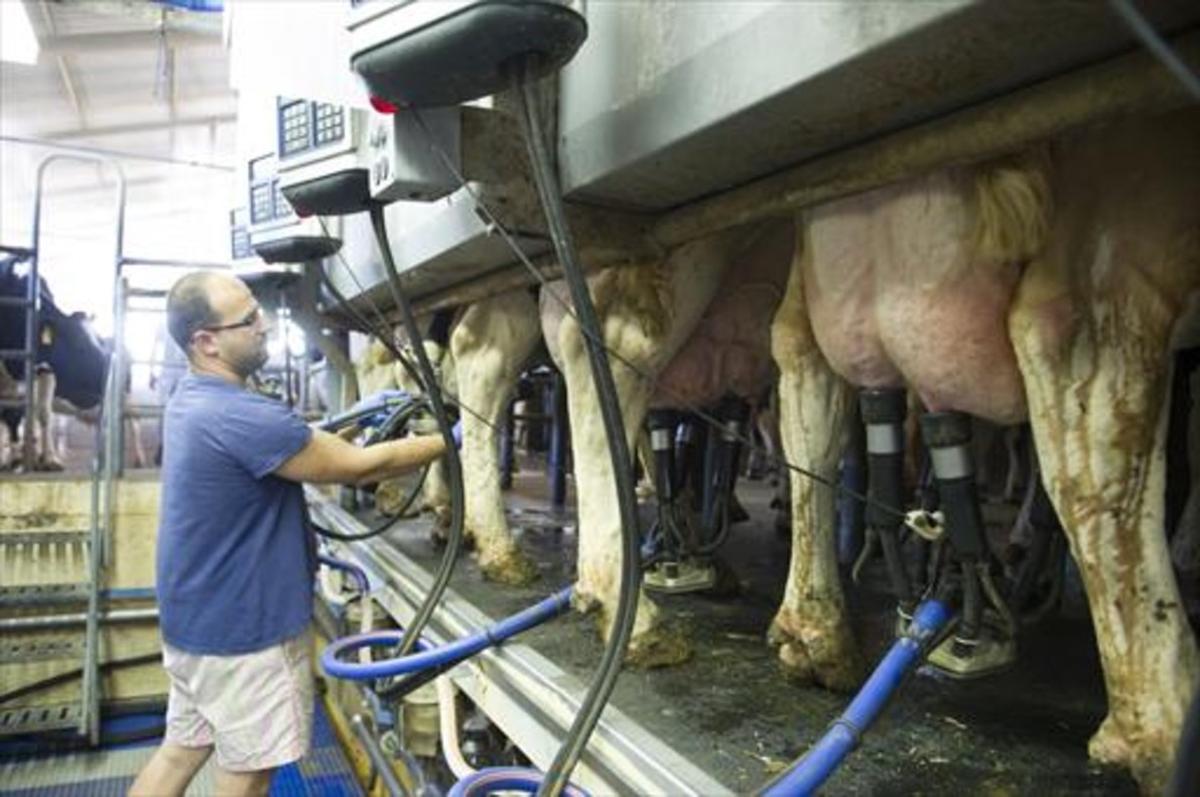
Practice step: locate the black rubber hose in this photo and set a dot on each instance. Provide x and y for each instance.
(922, 565)
(722, 531)
(453, 463)
(373, 531)
(890, 543)
(412, 494)
(972, 606)
(728, 452)
(559, 773)
(1031, 569)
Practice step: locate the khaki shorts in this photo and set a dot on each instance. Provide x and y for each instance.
(255, 708)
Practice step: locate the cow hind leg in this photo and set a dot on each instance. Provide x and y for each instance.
(1096, 400)
(653, 643)
(811, 627)
(490, 344)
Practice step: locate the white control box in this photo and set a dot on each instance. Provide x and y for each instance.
(414, 158)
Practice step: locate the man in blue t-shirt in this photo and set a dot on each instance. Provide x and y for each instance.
(235, 559)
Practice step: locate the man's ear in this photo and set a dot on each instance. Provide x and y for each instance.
(204, 343)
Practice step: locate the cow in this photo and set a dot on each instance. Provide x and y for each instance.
(695, 327)
(480, 352)
(1049, 286)
(72, 364)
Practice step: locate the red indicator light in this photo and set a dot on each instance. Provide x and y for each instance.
(383, 106)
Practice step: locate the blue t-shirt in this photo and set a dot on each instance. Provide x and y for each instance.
(235, 559)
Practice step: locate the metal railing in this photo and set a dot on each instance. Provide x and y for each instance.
(107, 463)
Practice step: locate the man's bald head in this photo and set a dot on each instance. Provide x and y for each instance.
(191, 303)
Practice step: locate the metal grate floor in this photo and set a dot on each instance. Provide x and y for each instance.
(325, 772)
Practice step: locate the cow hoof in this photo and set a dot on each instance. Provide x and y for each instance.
(823, 653)
(510, 567)
(1149, 765)
(658, 647)
(48, 466)
(1108, 744)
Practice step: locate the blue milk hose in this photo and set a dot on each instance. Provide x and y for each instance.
(428, 657)
(823, 758)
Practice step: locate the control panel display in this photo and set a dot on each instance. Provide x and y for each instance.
(266, 200)
(304, 126)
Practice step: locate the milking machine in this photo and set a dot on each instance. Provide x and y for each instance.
(976, 639)
(322, 173)
(671, 549)
(985, 641)
(883, 412)
(950, 532)
(677, 551)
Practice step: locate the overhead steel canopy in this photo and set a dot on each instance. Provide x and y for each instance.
(670, 102)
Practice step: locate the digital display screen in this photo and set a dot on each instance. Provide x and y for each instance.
(331, 123)
(260, 203)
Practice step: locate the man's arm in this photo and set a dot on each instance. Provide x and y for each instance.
(327, 459)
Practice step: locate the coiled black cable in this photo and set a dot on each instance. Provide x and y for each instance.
(397, 419)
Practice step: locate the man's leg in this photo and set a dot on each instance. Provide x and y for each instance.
(170, 770)
(243, 784)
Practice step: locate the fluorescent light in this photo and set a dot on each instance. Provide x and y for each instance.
(18, 43)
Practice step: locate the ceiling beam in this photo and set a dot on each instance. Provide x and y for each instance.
(141, 127)
(125, 41)
(74, 95)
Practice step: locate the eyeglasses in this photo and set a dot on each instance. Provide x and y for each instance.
(250, 320)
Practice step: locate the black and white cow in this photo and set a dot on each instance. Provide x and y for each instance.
(71, 366)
